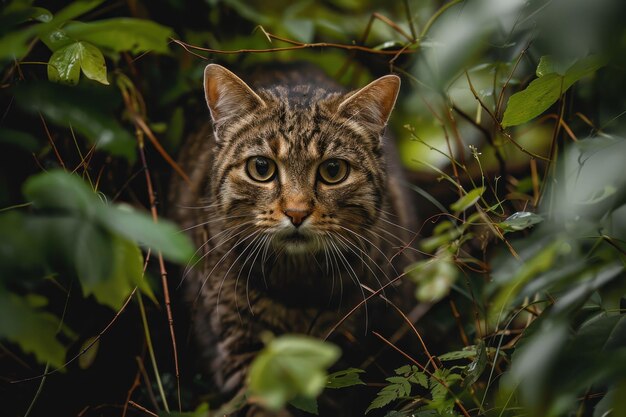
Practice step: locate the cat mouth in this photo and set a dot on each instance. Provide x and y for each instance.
(296, 242)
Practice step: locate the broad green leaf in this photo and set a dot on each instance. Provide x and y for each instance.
(544, 91)
(13, 16)
(75, 9)
(93, 254)
(466, 353)
(15, 44)
(433, 277)
(51, 34)
(582, 68)
(540, 259)
(532, 362)
(80, 108)
(126, 273)
(58, 190)
(546, 66)
(467, 200)
(305, 404)
(24, 140)
(33, 330)
(476, 368)
(66, 63)
(290, 366)
(520, 221)
(527, 104)
(122, 34)
(86, 359)
(163, 236)
(345, 378)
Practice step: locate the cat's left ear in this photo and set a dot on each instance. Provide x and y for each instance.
(373, 103)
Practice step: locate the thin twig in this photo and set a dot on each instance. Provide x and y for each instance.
(142, 408)
(296, 45)
(163, 271)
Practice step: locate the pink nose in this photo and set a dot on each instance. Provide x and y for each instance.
(297, 216)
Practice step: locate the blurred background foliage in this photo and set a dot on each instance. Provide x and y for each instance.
(510, 125)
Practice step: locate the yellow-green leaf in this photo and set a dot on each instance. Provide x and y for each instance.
(468, 199)
(86, 359)
(66, 63)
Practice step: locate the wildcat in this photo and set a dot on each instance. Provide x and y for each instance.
(295, 206)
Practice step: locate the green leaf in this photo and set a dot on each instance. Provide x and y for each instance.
(24, 140)
(52, 36)
(305, 404)
(544, 91)
(66, 63)
(122, 34)
(75, 9)
(86, 359)
(34, 331)
(384, 396)
(94, 253)
(476, 368)
(290, 366)
(81, 109)
(467, 352)
(520, 221)
(58, 190)
(582, 68)
(13, 16)
(433, 277)
(127, 272)
(163, 236)
(345, 378)
(419, 378)
(468, 199)
(546, 66)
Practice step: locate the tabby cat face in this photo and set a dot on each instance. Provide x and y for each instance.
(302, 165)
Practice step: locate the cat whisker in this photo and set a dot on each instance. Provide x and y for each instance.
(263, 242)
(352, 274)
(189, 268)
(359, 236)
(204, 281)
(252, 252)
(363, 261)
(213, 205)
(255, 235)
(213, 220)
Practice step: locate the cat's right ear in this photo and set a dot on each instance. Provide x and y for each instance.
(227, 96)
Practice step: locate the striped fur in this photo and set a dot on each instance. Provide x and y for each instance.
(254, 276)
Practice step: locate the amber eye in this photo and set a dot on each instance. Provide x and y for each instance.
(333, 171)
(260, 168)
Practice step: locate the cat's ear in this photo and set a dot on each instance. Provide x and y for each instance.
(373, 103)
(227, 95)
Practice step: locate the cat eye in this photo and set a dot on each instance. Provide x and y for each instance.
(333, 171)
(260, 168)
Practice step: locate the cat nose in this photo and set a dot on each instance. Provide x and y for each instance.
(297, 216)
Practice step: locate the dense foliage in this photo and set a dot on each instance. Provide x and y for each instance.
(510, 124)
